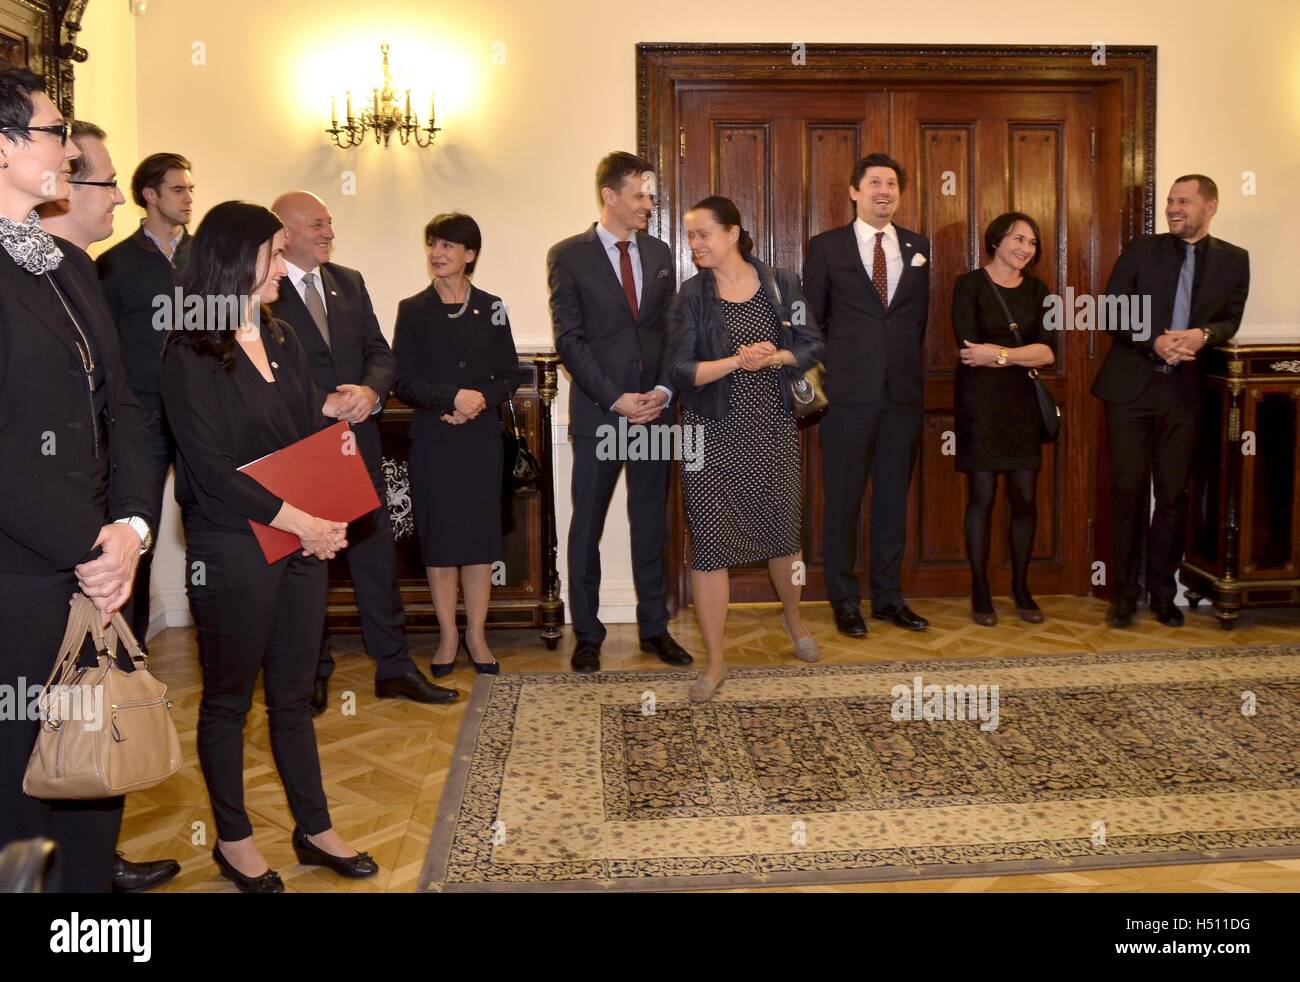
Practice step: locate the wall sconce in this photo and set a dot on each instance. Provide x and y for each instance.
(382, 119)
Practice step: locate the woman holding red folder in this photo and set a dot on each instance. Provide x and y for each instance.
(235, 388)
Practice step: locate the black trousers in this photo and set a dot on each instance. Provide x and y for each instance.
(33, 616)
(1151, 441)
(647, 501)
(876, 440)
(253, 617)
(161, 452)
(372, 563)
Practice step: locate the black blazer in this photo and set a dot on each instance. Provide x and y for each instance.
(225, 417)
(697, 332)
(605, 350)
(1149, 267)
(870, 350)
(50, 516)
(358, 353)
(438, 356)
(133, 273)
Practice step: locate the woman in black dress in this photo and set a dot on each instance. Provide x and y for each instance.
(235, 389)
(456, 365)
(739, 331)
(999, 429)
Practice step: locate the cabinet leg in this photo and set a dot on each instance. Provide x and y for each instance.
(1227, 618)
(551, 643)
(1193, 599)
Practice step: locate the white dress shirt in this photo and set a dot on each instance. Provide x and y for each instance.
(296, 278)
(608, 240)
(866, 236)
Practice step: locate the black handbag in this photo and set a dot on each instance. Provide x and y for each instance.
(1048, 411)
(520, 469)
(807, 389)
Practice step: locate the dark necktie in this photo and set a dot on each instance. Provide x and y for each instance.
(629, 280)
(315, 306)
(879, 274)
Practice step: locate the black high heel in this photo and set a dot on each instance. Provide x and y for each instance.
(438, 671)
(491, 668)
(268, 882)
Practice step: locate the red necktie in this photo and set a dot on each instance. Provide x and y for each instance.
(625, 274)
(879, 275)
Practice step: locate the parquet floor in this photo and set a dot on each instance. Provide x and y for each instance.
(386, 761)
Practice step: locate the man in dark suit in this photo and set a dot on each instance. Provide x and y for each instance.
(83, 218)
(1196, 288)
(134, 273)
(610, 290)
(329, 308)
(868, 284)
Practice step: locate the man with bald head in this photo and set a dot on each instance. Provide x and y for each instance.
(330, 311)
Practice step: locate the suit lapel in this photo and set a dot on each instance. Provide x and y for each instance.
(1213, 256)
(906, 279)
(649, 277)
(27, 290)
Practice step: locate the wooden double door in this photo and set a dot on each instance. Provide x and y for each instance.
(784, 152)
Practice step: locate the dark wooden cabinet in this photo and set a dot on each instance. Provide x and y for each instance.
(1243, 545)
(529, 593)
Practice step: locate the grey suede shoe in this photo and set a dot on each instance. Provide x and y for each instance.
(805, 649)
(703, 689)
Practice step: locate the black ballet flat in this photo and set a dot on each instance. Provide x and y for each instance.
(268, 882)
(356, 867)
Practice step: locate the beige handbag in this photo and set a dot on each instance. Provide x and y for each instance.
(103, 731)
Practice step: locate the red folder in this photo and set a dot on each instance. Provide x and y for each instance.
(323, 474)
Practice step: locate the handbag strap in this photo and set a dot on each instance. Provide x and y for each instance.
(80, 614)
(1011, 321)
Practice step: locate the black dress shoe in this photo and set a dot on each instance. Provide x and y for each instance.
(668, 650)
(268, 882)
(320, 694)
(586, 658)
(1167, 613)
(131, 877)
(848, 619)
(414, 686)
(902, 615)
(356, 867)
(1120, 614)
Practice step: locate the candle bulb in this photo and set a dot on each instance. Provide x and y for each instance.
(408, 104)
(431, 113)
(349, 107)
(376, 91)
(334, 112)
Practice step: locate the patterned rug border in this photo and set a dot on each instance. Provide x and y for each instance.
(438, 857)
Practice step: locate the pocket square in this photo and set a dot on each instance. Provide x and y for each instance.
(662, 274)
(918, 259)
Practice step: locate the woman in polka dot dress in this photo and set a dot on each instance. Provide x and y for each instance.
(738, 333)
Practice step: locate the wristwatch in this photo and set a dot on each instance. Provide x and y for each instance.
(1002, 357)
(1205, 335)
(141, 528)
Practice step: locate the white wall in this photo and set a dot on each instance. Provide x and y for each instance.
(522, 132)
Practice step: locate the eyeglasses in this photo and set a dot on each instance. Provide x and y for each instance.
(61, 130)
(96, 184)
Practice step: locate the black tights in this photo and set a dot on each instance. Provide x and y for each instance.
(983, 486)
